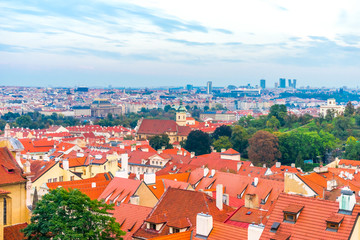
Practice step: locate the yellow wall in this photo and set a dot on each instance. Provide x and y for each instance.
(147, 198)
(16, 204)
(356, 230)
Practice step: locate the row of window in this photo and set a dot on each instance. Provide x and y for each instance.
(61, 178)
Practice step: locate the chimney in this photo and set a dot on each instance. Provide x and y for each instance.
(65, 164)
(278, 164)
(256, 181)
(331, 184)
(204, 225)
(346, 200)
(179, 152)
(238, 166)
(149, 178)
(219, 196)
(27, 166)
(206, 171)
(264, 165)
(135, 199)
(192, 154)
(133, 148)
(293, 165)
(93, 185)
(124, 162)
(226, 199)
(212, 172)
(122, 146)
(223, 150)
(159, 151)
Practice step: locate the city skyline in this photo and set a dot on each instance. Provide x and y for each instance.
(161, 43)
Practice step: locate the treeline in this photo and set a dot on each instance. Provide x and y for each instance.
(35, 120)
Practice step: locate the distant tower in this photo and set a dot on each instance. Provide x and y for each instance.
(209, 87)
(263, 83)
(294, 83)
(289, 81)
(181, 115)
(276, 85)
(7, 131)
(282, 82)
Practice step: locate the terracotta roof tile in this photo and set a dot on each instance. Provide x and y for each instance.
(13, 232)
(10, 171)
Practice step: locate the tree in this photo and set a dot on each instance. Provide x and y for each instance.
(349, 109)
(223, 130)
(352, 149)
(159, 141)
(273, 123)
(198, 142)
(223, 142)
(279, 111)
(239, 140)
(70, 214)
(167, 108)
(264, 148)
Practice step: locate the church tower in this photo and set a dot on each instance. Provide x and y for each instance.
(181, 115)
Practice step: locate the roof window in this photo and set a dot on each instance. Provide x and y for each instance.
(292, 212)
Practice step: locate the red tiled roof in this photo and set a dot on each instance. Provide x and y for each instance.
(311, 223)
(231, 151)
(39, 167)
(120, 190)
(131, 217)
(10, 171)
(158, 126)
(183, 204)
(347, 162)
(13, 232)
(101, 181)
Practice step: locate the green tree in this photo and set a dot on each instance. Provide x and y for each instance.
(167, 108)
(264, 148)
(352, 149)
(349, 109)
(70, 214)
(279, 111)
(24, 121)
(245, 121)
(273, 123)
(159, 141)
(223, 130)
(239, 140)
(223, 142)
(198, 142)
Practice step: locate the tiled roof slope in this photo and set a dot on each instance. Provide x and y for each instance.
(176, 205)
(10, 171)
(13, 232)
(158, 126)
(130, 217)
(85, 186)
(311, 223)
(120, 190)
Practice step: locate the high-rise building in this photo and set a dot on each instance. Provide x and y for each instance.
(290, 84)
(282, 82)
(276, 85)
(263, 83)
(294, 83)
(189, 87)
(209, 87)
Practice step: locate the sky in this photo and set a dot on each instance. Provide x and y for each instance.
(136, 43)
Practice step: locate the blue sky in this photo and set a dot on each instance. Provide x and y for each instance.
(173, 43)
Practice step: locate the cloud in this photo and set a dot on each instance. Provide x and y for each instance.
(189, 43)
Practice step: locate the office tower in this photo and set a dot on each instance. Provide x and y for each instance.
(189, 87)
(209, 87)
(276, 85)
(289, 81)
(282, 82)
(263, 83)
(294, 83)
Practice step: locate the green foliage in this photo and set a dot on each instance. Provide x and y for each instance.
(198, 142)
(239, 140)
(70, 214)
(223, 142)
(273, 123)
(352, 149)
(159, 141)
(223, 130)
(280, 112)
(349, 109)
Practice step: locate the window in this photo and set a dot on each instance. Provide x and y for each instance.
(54, 179)
(49, 180)
(5, 212)
(290, 217)
(61, 178)
(105, 167)
(72, 178)
(331, 226)
(176, 230)
(153, 226)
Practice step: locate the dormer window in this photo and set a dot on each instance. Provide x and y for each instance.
(333, 222)
(292, 212)
(152, 226)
